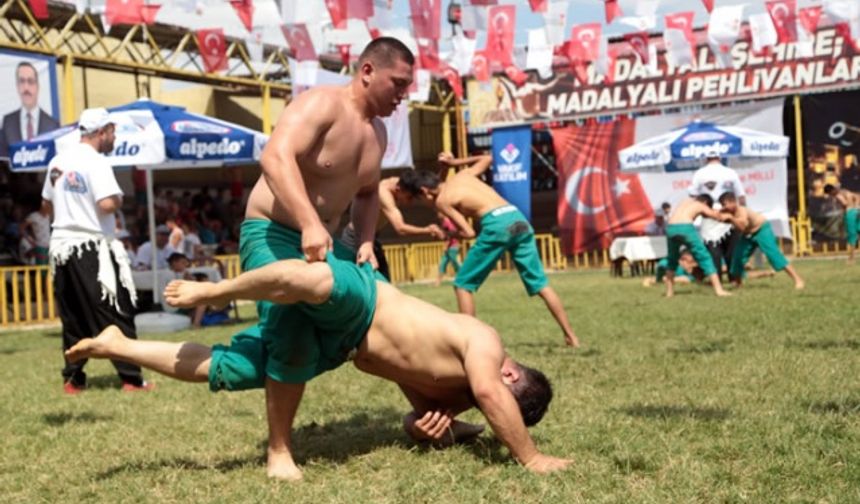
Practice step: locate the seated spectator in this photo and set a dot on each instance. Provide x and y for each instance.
(36, 231)
(192, 241)
(658, 227)
(179, 264)
(143, 260)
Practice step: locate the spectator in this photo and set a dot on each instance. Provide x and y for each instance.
(658, 226)
(176, 240)
(36, 230)
(179, 265)
(143, 261)
(128, 243)
(192, 239)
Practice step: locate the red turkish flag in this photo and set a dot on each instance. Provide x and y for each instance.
(517, 76)
(844, 30)
(809, 18)
(709, 5)
(426, 15)
(343, 49)
(453, 78)
(118, 12)
(213, 49)
(39, 8)
(359, 9)
(500, 33)
(337, 11)
(682, 21)
(584, 42)
(245, 10)
(596, 202)
(784, 17)
(639, 43)
(481, 66)
(613, 10)
(538, 5)
(428, 55)
(299, 40)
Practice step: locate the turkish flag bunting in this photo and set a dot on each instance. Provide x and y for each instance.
(299, 40)
(453, 78)
(784, 17)
(428, 55)
(596, 202)
(359, 9)
(245, 10)
(639, 43)
(844, 30)
(516, 75)
(500, 33)
(612, 9)
(426, 15)
(580, 70)
(584, 42)
(709, 5)
(809, 18)
(337, 11)
(39, 8)
(682, 21)
(481, 66)
(538, 5)
(118, 12)
(213, 49)
(343, 49)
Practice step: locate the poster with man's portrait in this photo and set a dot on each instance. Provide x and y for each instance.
(29, 105)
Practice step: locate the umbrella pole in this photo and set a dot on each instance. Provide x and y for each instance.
(150, 211)
(803, 227)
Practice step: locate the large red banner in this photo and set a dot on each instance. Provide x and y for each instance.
(596, 201)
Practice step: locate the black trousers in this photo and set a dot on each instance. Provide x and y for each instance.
(381, 260)
(85, 314)
(723, 251)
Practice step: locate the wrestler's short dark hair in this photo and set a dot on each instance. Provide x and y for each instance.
(706, 199)
(727, 196)
(829, 188)
(384, 51)
(533, 393)
(412, 181)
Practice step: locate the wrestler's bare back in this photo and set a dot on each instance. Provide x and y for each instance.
(469, 195)
(754, 220)
(687, 211)
(345, 156)
(419, 345)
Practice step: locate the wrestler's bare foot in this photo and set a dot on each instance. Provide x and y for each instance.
(186, 294)
(722, 293)
(799, 285)
(280, 465)
(100, 346)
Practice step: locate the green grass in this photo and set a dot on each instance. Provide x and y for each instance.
(754, 398)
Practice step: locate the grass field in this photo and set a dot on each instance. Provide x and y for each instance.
(754, 398)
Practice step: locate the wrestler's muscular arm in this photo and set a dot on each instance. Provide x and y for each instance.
(299, 128)
(482, 361)
(365, 205)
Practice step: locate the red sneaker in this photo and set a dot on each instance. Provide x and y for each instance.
(130, 387)
(72, 389)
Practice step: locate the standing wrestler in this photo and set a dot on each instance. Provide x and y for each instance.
(850, 203)
(325, 153)
(720, 238)
(503, 228)
(92, 274)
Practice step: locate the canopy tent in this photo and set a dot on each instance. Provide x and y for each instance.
(685, 148)
(153, 136)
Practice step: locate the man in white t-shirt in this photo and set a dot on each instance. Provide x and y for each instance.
(715, 179)
(92, 274)
(143, 258)
(36, 230)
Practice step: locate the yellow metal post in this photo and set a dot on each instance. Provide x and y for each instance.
(802, 219)
(446, 131)
(267, 109)
(462, 145)
(69, 115)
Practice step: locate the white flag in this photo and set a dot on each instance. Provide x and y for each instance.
(254, 44)
(554, 19)
(464, 51)
(805, 46)
(539, 52)
(422, 82)
(474, 17)
(679, 52)
(603, 62)
(845, 11)
(647, 8)
(723, 30)
(763, 31)
(639, 23)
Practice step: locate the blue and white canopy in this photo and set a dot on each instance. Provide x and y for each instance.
(684, 148)
(153, 135)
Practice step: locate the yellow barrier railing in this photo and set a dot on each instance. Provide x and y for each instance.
(27, 295)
